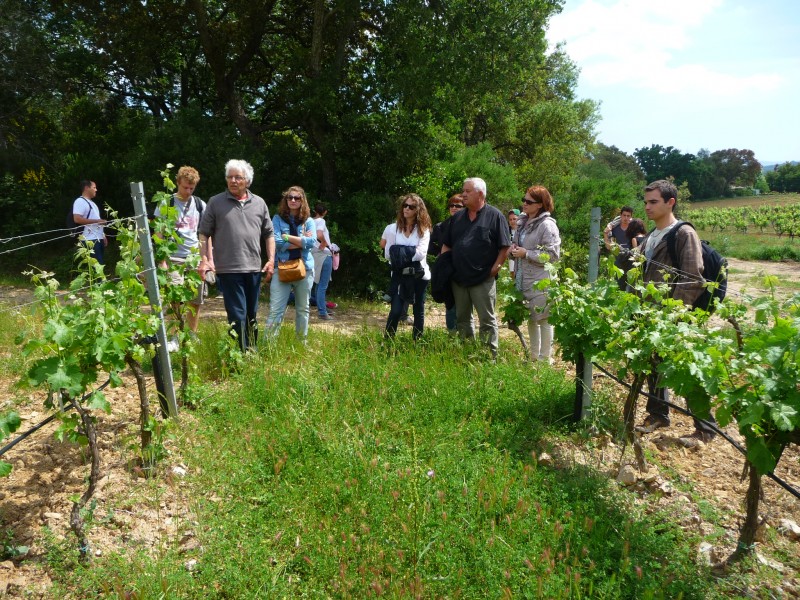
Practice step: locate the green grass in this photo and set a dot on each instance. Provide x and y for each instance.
(359, 467)
(753, 246)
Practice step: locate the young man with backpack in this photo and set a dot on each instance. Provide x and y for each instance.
(85, 212)
(685, 278)
(190, 210)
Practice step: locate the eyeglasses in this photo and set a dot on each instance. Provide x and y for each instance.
(410, 206)
(235, 177)
(456, 206)
(297, 198)
(526, 201)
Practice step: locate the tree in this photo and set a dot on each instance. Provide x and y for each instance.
(604, 160)
(785, 178)
(659, 162)
(735, 167)
(703, 179)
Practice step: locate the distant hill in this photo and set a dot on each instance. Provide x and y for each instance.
(771, 166)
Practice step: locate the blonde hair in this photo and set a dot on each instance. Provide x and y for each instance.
(188, 174)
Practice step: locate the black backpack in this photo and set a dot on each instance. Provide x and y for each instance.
(715, 269)
(74, 229)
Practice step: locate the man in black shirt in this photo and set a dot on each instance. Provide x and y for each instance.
(479, 240)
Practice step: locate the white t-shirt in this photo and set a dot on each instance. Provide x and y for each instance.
(320, 224)
(654, 239)
(393, 237)
(187, 223)
(88, 210)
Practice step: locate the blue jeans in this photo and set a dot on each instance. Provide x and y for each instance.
(240, 294)
(279, 298)
(98, 250)
(396, 312)
(322, 286)
(450, 318)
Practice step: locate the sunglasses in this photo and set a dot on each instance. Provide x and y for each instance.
(298, 198)
(526, 201)
(410, 206)
(456, 206)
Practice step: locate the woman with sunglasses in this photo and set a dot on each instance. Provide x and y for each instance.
(406, 248)
(537, 234)
(295, 235)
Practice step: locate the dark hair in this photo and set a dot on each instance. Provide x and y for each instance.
(86, 183)
(666, 188)
(538, 192)
(320, 209)
(627, 209)
(454, 199)
(635, 228)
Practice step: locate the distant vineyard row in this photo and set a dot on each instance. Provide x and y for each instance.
(780, 220)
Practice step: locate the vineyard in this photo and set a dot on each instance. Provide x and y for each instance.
(426, 471)
(781, 220)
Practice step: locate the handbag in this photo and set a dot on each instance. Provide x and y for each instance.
(291, 270)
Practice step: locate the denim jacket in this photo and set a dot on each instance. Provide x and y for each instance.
(282, 248)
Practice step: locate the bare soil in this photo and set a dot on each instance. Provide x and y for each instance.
(702, 487)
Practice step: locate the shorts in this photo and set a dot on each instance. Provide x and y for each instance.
(177, 277)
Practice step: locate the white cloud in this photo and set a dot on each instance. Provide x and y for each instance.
(637, 43)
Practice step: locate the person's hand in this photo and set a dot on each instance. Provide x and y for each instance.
(105, 241)
(285, 237)
(308, 233)
(268, 269)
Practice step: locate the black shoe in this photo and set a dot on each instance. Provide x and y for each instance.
(693, 440)
(651, 423)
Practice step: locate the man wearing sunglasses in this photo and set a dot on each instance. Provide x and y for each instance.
(237, 222)
(479, 240)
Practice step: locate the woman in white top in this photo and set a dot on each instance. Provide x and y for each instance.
(405, 244)
(323, 263)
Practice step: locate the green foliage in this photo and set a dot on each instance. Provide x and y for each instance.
(784, 178)
(573, 210)
(9, 423)
(390, 480)
(511, 302)
(755, 384)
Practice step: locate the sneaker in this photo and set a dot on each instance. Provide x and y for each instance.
(326, 317)
(331, 305)
(694, 440)
(407, 320)
(651, 423)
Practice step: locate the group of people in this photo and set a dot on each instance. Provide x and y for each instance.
(230, 231)
(470, 247)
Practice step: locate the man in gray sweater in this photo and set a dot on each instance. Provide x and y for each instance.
(237, 222)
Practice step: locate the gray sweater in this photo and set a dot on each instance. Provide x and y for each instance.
(238, 231)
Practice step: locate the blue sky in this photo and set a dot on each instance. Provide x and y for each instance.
(691, 74)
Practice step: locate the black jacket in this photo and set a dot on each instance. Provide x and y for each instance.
(441, 274)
